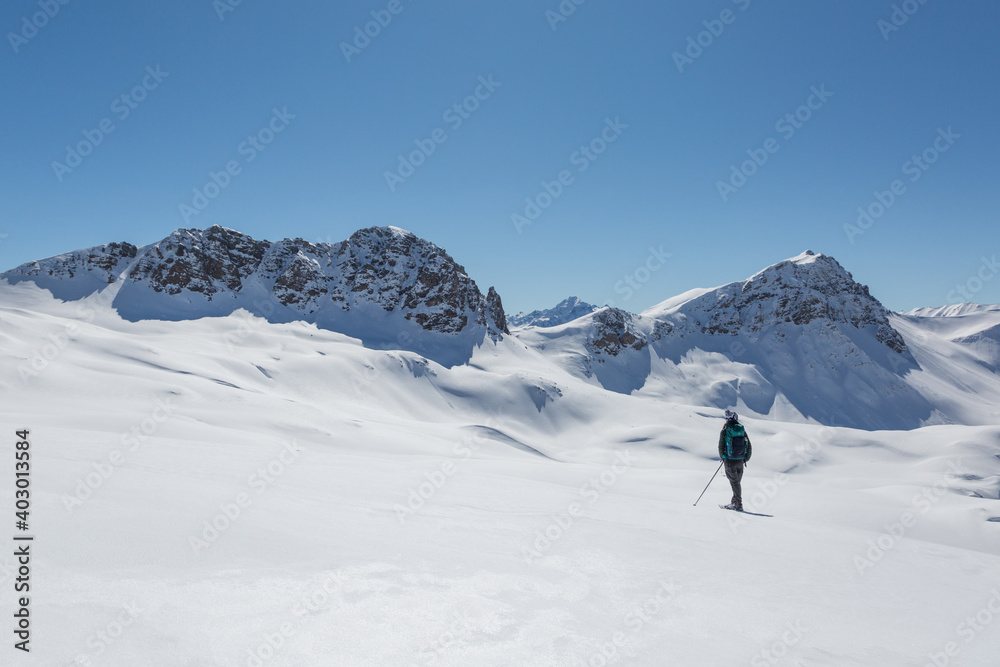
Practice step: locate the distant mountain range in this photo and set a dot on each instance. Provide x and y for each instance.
(800, 340)
(956, 310)
(565, 311)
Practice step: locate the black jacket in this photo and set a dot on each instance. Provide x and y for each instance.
(722, 442)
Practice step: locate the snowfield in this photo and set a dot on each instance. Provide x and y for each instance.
(231, 491)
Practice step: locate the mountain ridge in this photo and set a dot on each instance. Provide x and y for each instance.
(383, 284)
(800, 335)
(799, 340)
(565, 311)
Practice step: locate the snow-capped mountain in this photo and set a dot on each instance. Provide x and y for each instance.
(804, 290)
(565, 311)
(800, 339)
(383, 285)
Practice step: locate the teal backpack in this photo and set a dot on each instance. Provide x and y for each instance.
(736, 442)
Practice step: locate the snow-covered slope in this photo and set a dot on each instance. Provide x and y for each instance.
(565, 311)
(954, 310)
(799, 340)
(383, 285)
(234, 491)
(958, 355)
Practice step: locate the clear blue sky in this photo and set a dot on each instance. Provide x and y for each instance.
(553, 87)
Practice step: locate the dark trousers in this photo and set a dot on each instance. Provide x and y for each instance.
(734, 473)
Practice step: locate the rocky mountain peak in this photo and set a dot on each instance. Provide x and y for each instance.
(807, 289)
(203, 272)
(205, 261)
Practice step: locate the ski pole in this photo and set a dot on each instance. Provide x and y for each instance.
(709, 482)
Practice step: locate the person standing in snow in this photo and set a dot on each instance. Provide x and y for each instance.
(734, 450)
